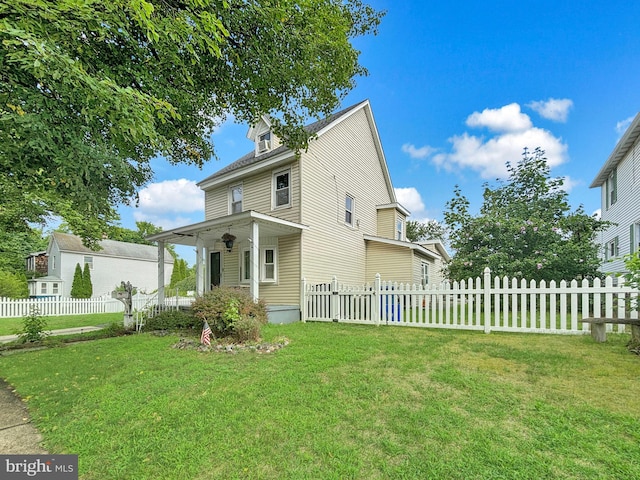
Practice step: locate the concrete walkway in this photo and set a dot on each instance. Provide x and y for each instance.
(62, 331)
(18, 436)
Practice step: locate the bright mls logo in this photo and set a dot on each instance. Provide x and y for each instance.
(57, 467)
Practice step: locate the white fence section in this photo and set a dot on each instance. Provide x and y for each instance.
(500, 304)
(11, 307)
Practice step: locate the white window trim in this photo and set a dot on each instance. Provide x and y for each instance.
(230, 197)
(400, 231)
(274, 191)
(352, 211)
(243, 272)
(425, 278)
(262, 265)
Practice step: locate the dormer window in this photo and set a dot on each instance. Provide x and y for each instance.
(264, 142)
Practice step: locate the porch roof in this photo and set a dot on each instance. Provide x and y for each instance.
(238, 224)
(425, 252)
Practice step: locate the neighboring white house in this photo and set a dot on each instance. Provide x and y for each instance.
(619, 181)
(114, 263)
(274, 217)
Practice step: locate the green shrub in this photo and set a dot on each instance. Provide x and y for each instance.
(246, 329)
(171, 320)
(33, 327)
(13, 285)
(222, 307)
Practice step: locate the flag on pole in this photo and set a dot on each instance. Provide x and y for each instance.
(206, 333)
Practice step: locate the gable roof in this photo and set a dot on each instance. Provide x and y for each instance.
(619, 152)
(110, 248)
(283, 152)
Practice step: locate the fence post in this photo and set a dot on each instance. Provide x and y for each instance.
(304, 309)
(486, 287)
(335, 306)
(375, 304)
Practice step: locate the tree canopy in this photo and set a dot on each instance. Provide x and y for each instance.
(91, 91)
(525, 229)
(429, 230)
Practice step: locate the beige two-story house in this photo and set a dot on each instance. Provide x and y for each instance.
(274, 218)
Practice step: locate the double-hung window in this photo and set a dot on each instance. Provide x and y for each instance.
(268, 265)
(611, 249)
(425, 274)
(349, 209)
(282, 189)
(612, 189)
(399, 229)
(235, 199)
(88, 261)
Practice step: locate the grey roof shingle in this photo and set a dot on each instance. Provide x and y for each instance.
(111, 248)
(251, 158)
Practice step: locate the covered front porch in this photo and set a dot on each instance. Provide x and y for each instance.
(245, 249)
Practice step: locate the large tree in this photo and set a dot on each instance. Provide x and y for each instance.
(428, 230)
(90, 91)
(525, 228)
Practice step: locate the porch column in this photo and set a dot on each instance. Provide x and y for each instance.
(254, 257)
(160, 272)
(199, 265)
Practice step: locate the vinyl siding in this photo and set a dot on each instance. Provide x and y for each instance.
(386, 223)
(287, 289)
(392, 262)
(257, 193)
(626, 210)
(344, 160)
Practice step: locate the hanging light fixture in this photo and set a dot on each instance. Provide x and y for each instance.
(228, 240)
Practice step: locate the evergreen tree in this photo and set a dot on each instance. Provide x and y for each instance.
(78, 283)
(87, 286)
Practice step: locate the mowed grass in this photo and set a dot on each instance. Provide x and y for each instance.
(339, 402)
(9, 326)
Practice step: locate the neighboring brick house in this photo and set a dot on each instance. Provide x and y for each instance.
(331, 210)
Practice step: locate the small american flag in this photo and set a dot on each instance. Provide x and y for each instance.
(206, 333)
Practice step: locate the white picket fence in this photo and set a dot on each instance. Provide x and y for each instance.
(11, 307)
(498, 304)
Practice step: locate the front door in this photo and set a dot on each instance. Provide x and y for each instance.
(216, 270)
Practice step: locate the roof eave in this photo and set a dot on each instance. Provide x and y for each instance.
(621, 149)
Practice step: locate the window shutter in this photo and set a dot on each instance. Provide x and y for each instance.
(631, 239)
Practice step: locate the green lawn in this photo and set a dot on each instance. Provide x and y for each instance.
(9, 326)
(340, 401)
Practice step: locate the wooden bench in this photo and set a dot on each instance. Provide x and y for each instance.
(599, 326)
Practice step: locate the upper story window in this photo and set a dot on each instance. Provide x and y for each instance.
(612, 189)
(399, 229)
(88, 261)
(349, 209)
(282, 189)
(264, 142)
(235, 199)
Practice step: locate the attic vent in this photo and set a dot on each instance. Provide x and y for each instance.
(264, 145)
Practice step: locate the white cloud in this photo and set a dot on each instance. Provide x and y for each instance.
(418, 153)
(556, 109)
(488, 156)
(622, 126)
(569, 183)
(170, 197)
(411, 199)
(505, 119)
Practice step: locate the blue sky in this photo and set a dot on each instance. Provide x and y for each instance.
(457, 89)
